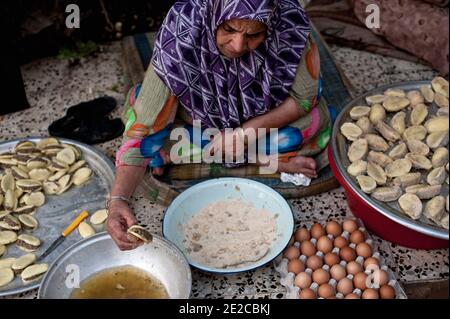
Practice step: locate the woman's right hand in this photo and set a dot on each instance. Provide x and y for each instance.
(120, 218)
(232, 144)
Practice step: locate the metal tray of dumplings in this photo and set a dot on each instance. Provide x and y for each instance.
(340, 146)
(60, 210)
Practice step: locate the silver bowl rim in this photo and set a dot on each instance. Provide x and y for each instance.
(378, 206)
(217, 271)
(105, 235)
(65, 140)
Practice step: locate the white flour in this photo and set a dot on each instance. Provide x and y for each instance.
(230, 233)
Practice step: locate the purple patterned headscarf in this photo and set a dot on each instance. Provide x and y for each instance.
(212, 87)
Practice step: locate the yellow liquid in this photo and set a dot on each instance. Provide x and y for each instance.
(127, 282)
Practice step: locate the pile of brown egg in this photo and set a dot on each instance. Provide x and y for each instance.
(337, 261)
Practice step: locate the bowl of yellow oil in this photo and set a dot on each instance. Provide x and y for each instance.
(96, 269)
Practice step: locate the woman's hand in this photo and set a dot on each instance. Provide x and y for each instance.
(121, 218)
(231, 144)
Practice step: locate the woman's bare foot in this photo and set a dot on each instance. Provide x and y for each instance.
(299, 164)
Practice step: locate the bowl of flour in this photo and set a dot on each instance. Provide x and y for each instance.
(229, 225)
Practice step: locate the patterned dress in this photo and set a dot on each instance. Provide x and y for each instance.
(152, 111)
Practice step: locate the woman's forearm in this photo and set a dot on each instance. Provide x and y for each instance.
(127, 179)
(286, 113)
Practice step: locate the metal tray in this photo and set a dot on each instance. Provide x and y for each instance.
(339, 147)
(59, 211)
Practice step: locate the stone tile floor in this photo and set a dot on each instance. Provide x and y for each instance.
(52, 86)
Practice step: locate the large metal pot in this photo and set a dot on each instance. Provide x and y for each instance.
(160, 258)
(385, 220)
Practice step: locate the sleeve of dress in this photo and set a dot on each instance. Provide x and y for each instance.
(149, 112)
(307, 87)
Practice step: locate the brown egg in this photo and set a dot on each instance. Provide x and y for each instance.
(352, 296)
(291, 241)
(326, 291)
(371, 268)
(354, 267)
(296, 266)
(370, 293)
(380, 277)
(350, 225)
(340, 242)
(303, 280)
(292, 253)
(333, 228)
(364, 250)
(320, 276)
(317, 231)
(348, 254)
(359, 281)
(371, 261)
(345, 286)
(308, 293)
(331, 259)
(314, 262)
(307, 248)
(357, 237)
(387, 292)
(302, 234)
(338, 272)
(324, 244)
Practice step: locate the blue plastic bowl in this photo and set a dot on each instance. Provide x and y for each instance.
(199, 196)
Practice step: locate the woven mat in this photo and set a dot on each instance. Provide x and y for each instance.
(137, 53)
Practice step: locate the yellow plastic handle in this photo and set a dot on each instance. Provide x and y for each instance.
(75, 223)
